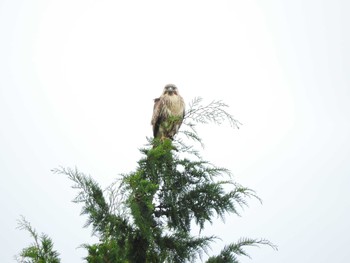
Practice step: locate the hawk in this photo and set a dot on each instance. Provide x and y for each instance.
(168, 113)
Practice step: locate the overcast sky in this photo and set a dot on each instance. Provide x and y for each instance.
(77, 83)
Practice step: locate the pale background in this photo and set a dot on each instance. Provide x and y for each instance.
(77, 82)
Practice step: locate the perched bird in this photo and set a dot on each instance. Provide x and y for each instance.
(168, 113)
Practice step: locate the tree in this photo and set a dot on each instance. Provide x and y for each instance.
(148, 214)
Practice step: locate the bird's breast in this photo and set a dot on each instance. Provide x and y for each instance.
(174, 105)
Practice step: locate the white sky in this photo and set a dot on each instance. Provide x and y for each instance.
(77, 82)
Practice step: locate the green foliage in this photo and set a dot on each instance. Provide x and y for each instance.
(41, 251)
(113, 229)
(229, 253)
(148, 215)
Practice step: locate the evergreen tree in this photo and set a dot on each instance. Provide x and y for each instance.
(147, 215)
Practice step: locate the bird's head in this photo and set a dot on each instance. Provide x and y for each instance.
(170, 89)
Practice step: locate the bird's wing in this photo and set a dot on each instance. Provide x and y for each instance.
(157, 115)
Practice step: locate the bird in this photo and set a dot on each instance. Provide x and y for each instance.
(168, 113)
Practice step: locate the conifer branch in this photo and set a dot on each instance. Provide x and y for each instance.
(229, 253)
(181, 247)
(40, 251)
(95, 206)
(214, 112)
(197, 113)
